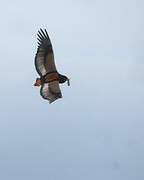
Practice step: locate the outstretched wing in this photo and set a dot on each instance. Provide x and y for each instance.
(51, 91)
(44, 59)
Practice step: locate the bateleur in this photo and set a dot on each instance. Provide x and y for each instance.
(45, 66)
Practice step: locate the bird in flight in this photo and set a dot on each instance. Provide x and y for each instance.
(45, 66)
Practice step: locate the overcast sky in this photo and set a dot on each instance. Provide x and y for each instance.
(96, 131)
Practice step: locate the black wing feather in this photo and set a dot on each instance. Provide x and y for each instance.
(44, 49)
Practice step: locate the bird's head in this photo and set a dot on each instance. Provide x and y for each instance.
(63, 79)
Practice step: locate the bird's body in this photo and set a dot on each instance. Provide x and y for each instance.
(44, 62)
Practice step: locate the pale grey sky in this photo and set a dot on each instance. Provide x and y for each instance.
(96, 130)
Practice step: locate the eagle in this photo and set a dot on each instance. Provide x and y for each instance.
(49, 79)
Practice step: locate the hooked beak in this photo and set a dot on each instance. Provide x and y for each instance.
(68, 81)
